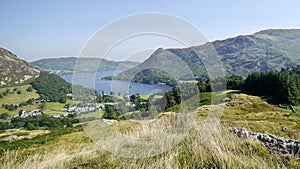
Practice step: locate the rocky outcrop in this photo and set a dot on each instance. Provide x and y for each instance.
(276, 145)
(14, 70)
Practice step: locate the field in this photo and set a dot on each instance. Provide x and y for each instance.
(96, 114)
(56, 108)
(20, 132)
(14, 98)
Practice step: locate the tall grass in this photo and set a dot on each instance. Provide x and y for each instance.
(222, 150)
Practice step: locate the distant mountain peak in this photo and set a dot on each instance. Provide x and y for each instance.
(158, 51)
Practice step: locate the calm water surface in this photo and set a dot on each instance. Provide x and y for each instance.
(92, 80)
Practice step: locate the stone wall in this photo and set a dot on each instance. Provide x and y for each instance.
(276, 145)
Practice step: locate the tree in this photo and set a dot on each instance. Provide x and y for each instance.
(278, 87)
(234, 82)
(19, 124)
(5, 125)
(6, 92)
(29, 89)
(19, 91)
(111, 112)
(62, 100)
(42, 106)
(69, 124)
(173, 97)
(4, 116)
(67, 105)
(30, 126)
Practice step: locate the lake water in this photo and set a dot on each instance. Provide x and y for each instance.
(92, 80)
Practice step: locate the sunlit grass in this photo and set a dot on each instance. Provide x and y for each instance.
(16, 112)
(56, 107)
(144, 96)
(22, 132)
(14, 98)
(96, 114)
(221, 150)
(262, 117)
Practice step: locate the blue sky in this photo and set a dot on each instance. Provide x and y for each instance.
(35, 29)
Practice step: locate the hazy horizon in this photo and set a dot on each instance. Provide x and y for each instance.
(39, 29)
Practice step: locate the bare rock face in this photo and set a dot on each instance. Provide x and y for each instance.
(276, 145)
(14, 70)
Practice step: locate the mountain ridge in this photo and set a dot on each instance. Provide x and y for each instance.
(67, 65)
(265, 50)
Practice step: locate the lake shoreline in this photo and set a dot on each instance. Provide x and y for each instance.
(94, 80)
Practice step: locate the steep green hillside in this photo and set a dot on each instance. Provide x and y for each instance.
(162, 63)
(52, 87)
(67, 65)
(14, 71)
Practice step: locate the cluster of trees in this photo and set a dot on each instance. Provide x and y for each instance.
(103, 98)
(4, 116)
(140, 104)
(7, 91)
(277, 86)
(35, 122)
(233, 82)
(147, 76)
(5, 125)
(173, 97)
(15, 90)
(116, 111)
(10, 107)
(29, 89)
(144, 108)
(111, 112)
(154, 76)
(51, 87)
(18, 91)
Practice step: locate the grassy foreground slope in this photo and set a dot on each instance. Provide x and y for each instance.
(222, 150)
